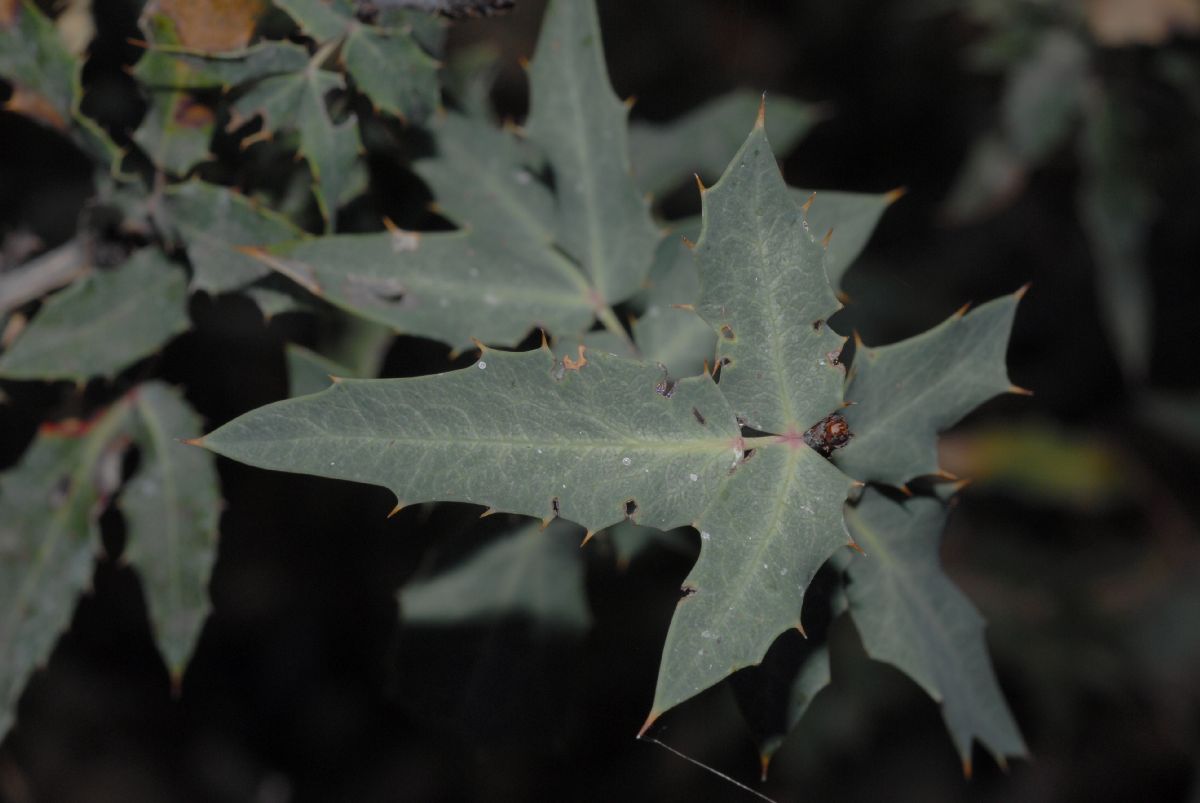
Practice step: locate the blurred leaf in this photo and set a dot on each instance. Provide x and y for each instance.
(849, 218)
(448, 286)
(177, 128)
(186, 69)
(581, 126)
(35, 60)
(469, 77)
(774, 695)
(214, 222)
(678, 339)
(529, 573)
(103, 322)
(911, 616)
(296, 102)
(990, 178)
(703, 140)
(1039, 463)
(630, 540)
(482, 180)
(1044, 94)
(387, 64)
(904, 394)
(171, 506)
(309, 372)
(50, 504)
(765, 291)
(1117, 209)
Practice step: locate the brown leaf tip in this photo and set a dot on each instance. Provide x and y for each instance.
(650, 720)
(760, 122)
(895, 195)
(1022, 290)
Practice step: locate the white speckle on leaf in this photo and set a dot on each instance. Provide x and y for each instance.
(482, 365)
(783, 572)
(403, 241)
(490, 299)
(693, 477)
(705, 536)
(625, 461)
(539, 451)
(522, 177)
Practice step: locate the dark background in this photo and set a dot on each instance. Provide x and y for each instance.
(304, 688)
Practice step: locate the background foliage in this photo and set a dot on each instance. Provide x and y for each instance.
(1077, 540)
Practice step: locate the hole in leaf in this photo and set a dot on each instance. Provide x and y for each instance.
(631, 508)
(554, 506)
(698, 415)
(817, 324)
(686, 591)
(665, 387)
(727, 332)
(746, 457)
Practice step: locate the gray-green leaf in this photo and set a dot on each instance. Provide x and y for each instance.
(103, 322)
(912, 616)
(765, 291)
(578, 122)
(848, 218)
(904, 394)
(171, 506)
(533, 573)
(701, 141)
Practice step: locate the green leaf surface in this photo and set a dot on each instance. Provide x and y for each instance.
(171, 506)
(41, 69)
(530, 573)
(774, 696)
(390, 68)
(912, 616)
(50, 504)
(213, 222)
(765, 291)
(177, 128)
(597, 439)
(296, 102)
(578, 122)
(665, 333)
(159, 65)
(763, 536)
(508, 434)
(482, 181)
(904, 394)
(848, 218)
(103, 322)
(700, 143)
(387, 63)
(1044, 94)
(309, 372)
(447, 286)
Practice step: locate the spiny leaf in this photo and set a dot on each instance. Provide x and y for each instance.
(35, 60)
(904, 394)
(103, 322)
(701, 142)
(309, 372)
(213, 222)
(578, 122)
(49, 507)
(448, 286)
(296, 101)
(170, 507)
(764, 290)
(667, 332)
(217, 70)
(912, 616)
(530, 573)
(774, 696)
(508, 434)
(211, 25)
(387, 64)
(482, 180)
(848, 218)
(763, 536)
